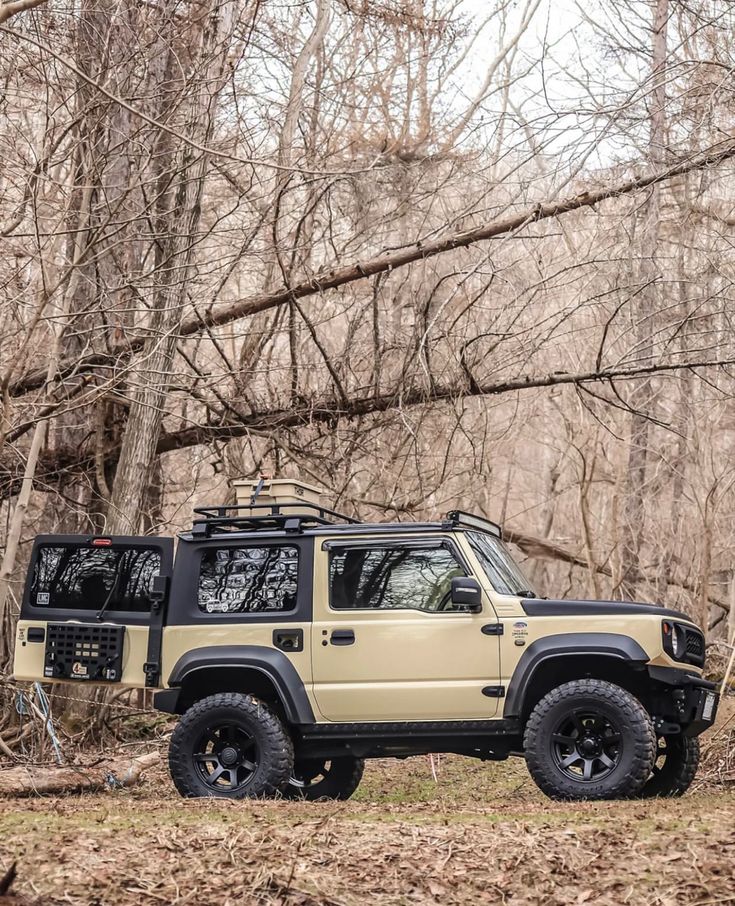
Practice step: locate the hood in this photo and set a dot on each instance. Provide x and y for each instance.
(539, 607)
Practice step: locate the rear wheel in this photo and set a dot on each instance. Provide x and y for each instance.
(589, 739)
(316, 778)
(677, 760)
(230, 746)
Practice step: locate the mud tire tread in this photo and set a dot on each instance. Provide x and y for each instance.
(635, 725)
(274, 744)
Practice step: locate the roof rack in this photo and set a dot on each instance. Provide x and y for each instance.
(217, 519)
(221, 520)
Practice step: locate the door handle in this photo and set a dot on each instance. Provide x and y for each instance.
(342, 637)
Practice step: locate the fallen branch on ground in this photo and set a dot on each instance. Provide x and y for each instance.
(27, 781)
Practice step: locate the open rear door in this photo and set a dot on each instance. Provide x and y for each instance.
(93, 609)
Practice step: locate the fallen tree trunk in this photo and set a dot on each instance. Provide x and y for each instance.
(341, 275)
(114, 772)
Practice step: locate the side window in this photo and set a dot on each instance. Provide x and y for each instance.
(248, 579)
(84, 578)
(392, 578)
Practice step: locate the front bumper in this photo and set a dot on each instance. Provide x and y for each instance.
(685, 703)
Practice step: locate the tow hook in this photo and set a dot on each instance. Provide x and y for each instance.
(665, 727)
(679, 697)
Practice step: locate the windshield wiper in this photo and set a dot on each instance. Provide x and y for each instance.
(526, 593)
(110, 594)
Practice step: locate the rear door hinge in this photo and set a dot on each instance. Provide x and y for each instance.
(151, 671)
(493, 629)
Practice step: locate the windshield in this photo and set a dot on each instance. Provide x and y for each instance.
(501, 569)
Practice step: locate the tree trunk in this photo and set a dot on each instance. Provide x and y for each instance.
(642, 400)
(180, 182)
(124, 771)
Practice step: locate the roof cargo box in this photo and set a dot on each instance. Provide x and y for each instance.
(280, 491)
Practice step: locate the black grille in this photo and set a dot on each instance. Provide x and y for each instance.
(82, 652)
(694, 647)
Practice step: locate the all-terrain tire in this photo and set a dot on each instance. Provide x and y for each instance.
(335, 778)
(674, 774)
(590, 727)
(230, 746)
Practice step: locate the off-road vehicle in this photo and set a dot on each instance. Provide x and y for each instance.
(296, 642)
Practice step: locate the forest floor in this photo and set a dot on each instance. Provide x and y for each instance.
(479, 833)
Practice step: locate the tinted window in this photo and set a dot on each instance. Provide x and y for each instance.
(84, 578)
(392, 578)
(248, 579)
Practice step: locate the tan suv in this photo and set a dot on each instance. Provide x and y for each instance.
(296, 642)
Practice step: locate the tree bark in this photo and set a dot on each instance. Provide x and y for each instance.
(10, 8)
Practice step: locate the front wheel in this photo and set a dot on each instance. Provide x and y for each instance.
(315, 778)
(677, 760)
(231, 746)
(589, 739)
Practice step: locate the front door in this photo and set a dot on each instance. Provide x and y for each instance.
(388, 644)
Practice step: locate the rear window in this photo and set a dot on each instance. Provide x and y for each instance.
(84, 578)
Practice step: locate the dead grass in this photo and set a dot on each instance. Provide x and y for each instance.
(479, 833)
(482, 834)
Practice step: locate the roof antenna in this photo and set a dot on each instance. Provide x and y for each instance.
(258, 489)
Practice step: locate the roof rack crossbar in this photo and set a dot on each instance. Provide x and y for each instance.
(217, 519)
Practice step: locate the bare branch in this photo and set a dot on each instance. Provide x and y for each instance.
(341, 276)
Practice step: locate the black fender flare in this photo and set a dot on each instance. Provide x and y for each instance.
(565, 645)
(272, 663)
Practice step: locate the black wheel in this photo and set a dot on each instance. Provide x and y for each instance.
(677, 760)
(315, 778)
(589, 739)
(231, 746)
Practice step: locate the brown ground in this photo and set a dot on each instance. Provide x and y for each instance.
(480, 833)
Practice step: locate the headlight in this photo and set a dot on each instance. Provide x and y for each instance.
(678, 642)
(682, 643)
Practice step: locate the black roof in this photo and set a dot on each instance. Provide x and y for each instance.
(212, 521)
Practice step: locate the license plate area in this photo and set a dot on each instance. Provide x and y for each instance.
(708, 706)
(79, 651)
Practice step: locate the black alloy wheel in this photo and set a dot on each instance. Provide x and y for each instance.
(226, 757)
(317, 778)
(675, 767)
(231, 746)
(589, 739)
(586, 746)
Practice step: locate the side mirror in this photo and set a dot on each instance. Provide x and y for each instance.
(467, 592)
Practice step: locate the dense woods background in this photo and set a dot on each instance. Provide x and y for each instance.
(426, 254)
